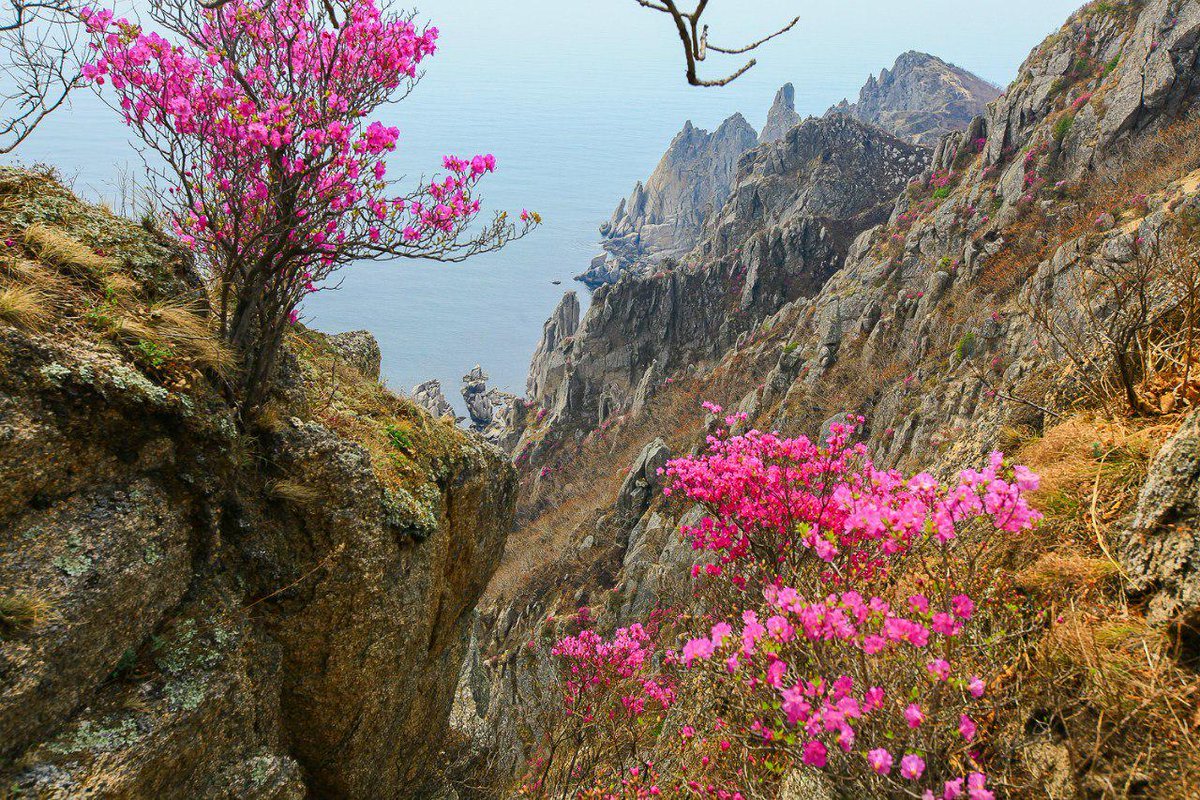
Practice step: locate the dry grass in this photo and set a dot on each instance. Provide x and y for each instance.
(1091, 469)
(294, 493)
(1100, 686)
(190, 333)
(21, 613)
(181, 329)
(34, 275)
(54, 246)
(1058, 571)
(24, 308)
(1105, 688)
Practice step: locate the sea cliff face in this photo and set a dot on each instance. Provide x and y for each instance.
(795, 207)
(276, 609)
(830, 284)
(662, 218)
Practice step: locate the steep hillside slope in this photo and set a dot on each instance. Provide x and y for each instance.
(920, 99)
(190, 607)
(958, 326)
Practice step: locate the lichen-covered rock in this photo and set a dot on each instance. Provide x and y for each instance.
(1160, 551)
(642, 481)
(360, 349)
(270, 611)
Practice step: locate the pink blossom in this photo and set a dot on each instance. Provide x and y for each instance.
(880, 761)
(966, 726)
(814, 754)
(912, 766)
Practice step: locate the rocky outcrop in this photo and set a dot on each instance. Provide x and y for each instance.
(494, 413)
(1161, 549)
(663, 218)
(360, 350)
(920, 99)
(795, 208)
(429, 396)
(548, 362)
(781, 117)
(275, 611)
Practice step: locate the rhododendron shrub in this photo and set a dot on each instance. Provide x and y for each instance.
(852, 625)
(613, 706)
(259, 114)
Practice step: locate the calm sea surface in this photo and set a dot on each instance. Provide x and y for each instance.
(577, 100)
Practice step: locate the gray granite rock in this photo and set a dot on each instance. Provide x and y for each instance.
(360, 349)
(663, 217)
(781, 117)
(920, 99)
(429, 396)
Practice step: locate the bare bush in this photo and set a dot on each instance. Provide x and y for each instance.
(1124, 323)
(40, 40)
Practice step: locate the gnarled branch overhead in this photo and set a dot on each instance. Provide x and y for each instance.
(694, 38)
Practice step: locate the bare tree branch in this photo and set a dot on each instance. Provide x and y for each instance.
(40, 61)
(694, 39)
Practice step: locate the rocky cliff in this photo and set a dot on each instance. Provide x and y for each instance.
(920, 99)
(662, 218)
(926, 327)
(794, 209)
(195, 607)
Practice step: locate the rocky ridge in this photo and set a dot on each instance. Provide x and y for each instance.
(793, 212)
(920, 99)
(662, 218)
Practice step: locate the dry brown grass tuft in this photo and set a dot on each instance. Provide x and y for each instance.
(295, 494)
(1106, 687)
(1100, 686)
(53, 246)
(34, 275)
(190, 333)
(24, 308)
(182, 329)
(1054, 572)
(1091, 469)
(22, 612)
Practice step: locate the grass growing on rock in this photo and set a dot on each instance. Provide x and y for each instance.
(409, 449)
(21, 612)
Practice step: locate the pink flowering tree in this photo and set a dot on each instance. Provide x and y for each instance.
(852, 624)
(259, 112)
